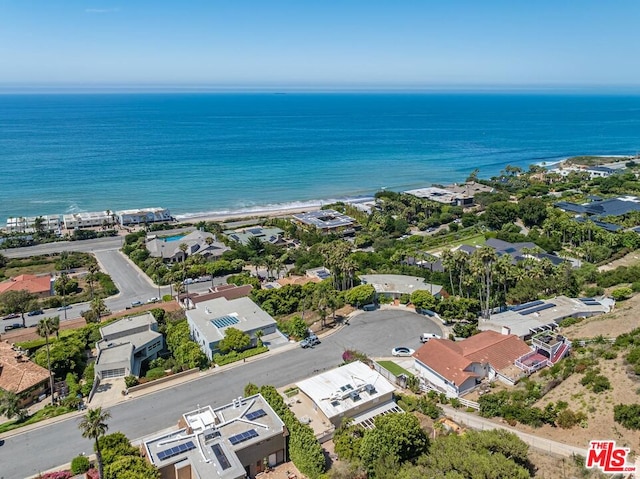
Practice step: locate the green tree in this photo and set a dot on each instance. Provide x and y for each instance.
(360, 295)
(234, 340)
(46, 327)
(532, 211)
(500, 213)
(94, 426)
(114, 446)
(131, 467)
(10, 405)
(397, 437)
(423, 299)
(99, 308)
(20, 301)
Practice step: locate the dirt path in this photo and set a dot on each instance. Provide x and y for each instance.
(627, 260)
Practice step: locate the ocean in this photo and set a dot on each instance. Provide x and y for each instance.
(241, 152)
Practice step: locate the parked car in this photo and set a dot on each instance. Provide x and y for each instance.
(9, 327)
(136, 303)
(153, 300)
(402, 351)
(11, 316)
(310, 341)
(35, 312)
(424, 337)
(62, 308)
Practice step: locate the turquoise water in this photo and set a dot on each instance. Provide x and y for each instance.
(224, 153)
(168, 239)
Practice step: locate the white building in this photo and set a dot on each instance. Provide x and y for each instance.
(26, 224)
(209, 320)
(395, 285)
(88, 219)
(142, 216)
(125, 344)
(350, 391)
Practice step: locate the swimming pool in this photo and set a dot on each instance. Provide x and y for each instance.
(167, 239)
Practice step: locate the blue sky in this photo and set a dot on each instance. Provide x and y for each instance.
(322, 44)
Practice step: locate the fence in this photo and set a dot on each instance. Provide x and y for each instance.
(392, 378)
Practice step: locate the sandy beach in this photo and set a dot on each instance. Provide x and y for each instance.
(228, 217)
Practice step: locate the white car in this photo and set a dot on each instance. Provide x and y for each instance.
(153, 300)
(424, 337)
(402, 351)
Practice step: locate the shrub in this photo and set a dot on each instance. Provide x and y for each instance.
(620, 294)
(131, 381)
(351, 355)
(155, 373)
(628, 415)
(80, 465)
(56, 475)
(233, 356)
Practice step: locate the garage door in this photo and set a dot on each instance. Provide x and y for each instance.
(112, 373)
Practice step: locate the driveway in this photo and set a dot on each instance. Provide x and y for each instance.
(374, 333)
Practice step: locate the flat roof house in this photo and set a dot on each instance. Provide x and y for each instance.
(456, 368)
(395, 285)
(27, 224)
(125, 344)
(528, 319)
(21, 376)
(350, 391)
(454, 195)
(41, 286)
(88, 219)
(267, 235)
(198, 242)
(142, 216)
(327, 221)
(228, 442)
(209, 320)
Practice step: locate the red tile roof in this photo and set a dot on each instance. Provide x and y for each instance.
(29, 282)
(17, 372)
(450, 359)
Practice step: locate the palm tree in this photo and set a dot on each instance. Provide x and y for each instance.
(259, 333)
(99, 308)
(184, 247)
(46, 327)
(91, 277)
(64, 281)
(10, 405)
(94, 426)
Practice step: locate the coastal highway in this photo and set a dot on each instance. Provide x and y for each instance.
(87, 246)
(374, 333)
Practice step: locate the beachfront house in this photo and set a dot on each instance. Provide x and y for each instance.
(454, 195)
(27, 224)
(326, 222)
(143, 216)
(266, 235)
(89, 219)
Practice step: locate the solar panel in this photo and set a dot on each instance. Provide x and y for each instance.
(176, 450)
(224, 321)
(255, 414)
(584, 300)
(243, 436)
(592, 303)
(221, 457)
(537, 308)
(526, 305)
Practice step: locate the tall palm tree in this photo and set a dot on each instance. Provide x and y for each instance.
(94, 426)
(183, 247)
(64, 281)
(91, 277)
(46, 327)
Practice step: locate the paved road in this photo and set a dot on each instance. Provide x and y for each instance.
(87, 246)
(374, 333)
(536, 442)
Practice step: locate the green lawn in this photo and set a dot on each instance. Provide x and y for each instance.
(394, 369)
(474, 240)
(46, 413)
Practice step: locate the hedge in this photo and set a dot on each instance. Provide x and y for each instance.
(233, 356)
(304, 449)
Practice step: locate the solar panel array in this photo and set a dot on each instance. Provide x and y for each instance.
(176, 450)
(224, 321)
(592, 303)
(243, 436)
(255, 414)
(526, 305)
(322, 274)
(537, 308)
(221, 457)
(584, 300)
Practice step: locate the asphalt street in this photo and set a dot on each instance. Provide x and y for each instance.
(374, 333)
(87, 246)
